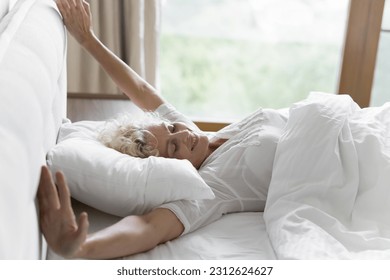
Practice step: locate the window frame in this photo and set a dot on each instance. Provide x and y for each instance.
(360, 49)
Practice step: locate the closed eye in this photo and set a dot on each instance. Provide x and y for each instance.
(172, 128)
(172, 149)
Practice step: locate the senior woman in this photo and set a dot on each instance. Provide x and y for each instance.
(235, 162)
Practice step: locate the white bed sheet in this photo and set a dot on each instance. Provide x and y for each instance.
(239, 236)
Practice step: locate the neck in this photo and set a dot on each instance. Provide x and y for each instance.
(214, 144)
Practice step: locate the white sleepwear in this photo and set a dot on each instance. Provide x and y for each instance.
(238, 172)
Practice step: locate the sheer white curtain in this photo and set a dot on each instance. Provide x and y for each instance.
(130, 28)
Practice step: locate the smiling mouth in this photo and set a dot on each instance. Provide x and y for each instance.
(194, 139)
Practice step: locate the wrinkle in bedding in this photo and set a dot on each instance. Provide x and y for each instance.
(329, 196)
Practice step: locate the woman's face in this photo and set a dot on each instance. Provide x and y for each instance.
(176, 140)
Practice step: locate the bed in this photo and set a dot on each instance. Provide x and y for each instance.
(32, 110)
(109, 185)
(328, 197)
(32, 106)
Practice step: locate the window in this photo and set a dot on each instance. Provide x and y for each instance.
(222, 59)
(380, 91)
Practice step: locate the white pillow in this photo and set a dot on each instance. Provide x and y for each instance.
(116, 183)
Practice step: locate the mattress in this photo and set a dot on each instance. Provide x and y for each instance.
(237, 236)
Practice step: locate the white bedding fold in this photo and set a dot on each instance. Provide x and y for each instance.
(4, 7)
(329, 197)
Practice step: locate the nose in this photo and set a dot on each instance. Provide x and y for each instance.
(184, 136)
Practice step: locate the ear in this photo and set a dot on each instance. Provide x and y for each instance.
(151, 140)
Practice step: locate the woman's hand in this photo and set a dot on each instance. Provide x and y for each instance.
(62, 232)
(77, 18)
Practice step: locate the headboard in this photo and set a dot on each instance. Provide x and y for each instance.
(32, 107)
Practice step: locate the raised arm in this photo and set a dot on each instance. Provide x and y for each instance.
(78, 20)
(68, 237)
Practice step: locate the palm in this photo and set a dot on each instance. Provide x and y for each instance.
(58, 223)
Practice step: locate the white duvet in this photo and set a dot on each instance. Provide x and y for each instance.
(329, 197)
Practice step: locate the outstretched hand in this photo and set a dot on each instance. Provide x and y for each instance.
(77, 19)
(62, 232)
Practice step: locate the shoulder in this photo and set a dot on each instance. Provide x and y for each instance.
(164, 223)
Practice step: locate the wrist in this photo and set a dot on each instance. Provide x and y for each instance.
(82, 252)
(74, 251)
(88, 41)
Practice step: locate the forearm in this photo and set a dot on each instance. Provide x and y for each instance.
(131, 235)
(129, 82)
(78, 20)
(126, 237)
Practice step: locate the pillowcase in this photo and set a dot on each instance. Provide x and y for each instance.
(117, 183)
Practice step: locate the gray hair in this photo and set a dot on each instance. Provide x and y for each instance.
(128, 135)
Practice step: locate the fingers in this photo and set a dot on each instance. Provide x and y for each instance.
(63, 191)
(83, 224)
(66, 7)
(86, 7)
(69, 5)
(63, 7)
(49, 195)
(82, 230)
(47, 192)
(79, 4)
(85, 4)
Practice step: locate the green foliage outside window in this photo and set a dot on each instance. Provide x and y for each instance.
(226, 78)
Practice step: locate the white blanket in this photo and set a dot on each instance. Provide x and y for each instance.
(329, 197)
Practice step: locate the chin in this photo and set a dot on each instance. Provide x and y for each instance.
(201, 151)
(197, 166)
